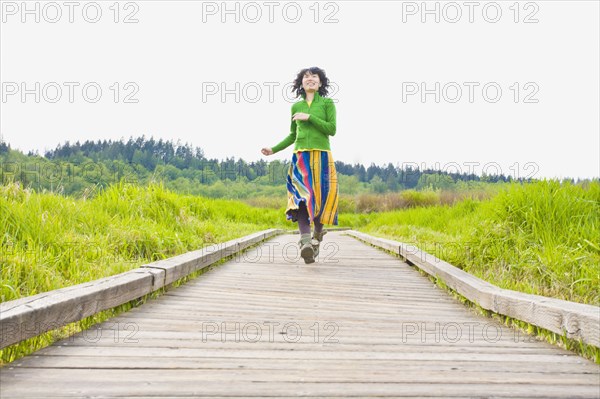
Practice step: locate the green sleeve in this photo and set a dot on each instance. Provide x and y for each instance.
(326, 126)
(288, 140)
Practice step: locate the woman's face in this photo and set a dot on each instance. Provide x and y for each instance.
(310, 82)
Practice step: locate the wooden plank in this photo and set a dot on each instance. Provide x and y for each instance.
(226, 363)
(577, 321)
(192, 386)
(37, 314)
(308, 375)
(308, 342)
(131, 332)
(261, 352)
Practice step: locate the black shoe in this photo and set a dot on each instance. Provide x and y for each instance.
(307, 251)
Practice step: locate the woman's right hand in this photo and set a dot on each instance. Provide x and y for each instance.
(267, 151)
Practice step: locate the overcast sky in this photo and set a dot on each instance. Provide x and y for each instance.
(517, 85)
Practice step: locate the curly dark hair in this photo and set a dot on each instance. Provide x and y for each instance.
(299, 90)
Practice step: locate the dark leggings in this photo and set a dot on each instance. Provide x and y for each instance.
(304, 223)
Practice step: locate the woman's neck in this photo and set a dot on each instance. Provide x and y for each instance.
(309, 96)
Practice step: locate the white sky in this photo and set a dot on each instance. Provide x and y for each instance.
(370, 53)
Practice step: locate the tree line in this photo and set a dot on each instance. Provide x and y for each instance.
(73, 167)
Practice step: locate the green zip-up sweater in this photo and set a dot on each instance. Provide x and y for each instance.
(312, 134)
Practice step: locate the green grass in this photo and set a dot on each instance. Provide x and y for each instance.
(540, 238)
(50, 241)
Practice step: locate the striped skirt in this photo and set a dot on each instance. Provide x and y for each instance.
(312, 179)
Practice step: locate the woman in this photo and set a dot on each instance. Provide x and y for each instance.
(312, 179)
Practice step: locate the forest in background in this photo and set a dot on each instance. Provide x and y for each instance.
(82, 169)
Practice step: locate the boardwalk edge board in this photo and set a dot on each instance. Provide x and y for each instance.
(30, 316)
(576, 320)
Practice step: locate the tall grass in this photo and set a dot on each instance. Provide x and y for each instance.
(541, 238)
(370, 203)
(278, 202)
(50, 241)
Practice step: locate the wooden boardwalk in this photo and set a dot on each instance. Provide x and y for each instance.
(359, 323)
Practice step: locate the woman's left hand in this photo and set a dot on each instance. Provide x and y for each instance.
(300, 116)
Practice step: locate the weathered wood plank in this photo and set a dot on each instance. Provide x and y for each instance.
(190, 386)
(129, 332)
(310, 342)
(263, 353)
(47, 311)
(226, 363)
(348, 376)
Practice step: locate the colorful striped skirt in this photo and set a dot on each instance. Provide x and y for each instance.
(312, 179)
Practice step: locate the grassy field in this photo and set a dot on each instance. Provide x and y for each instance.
(540, 238)
(51, 241)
